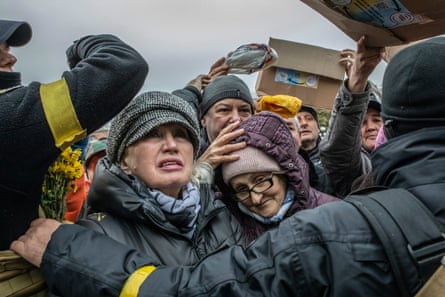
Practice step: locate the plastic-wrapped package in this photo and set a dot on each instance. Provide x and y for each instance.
(252, 57)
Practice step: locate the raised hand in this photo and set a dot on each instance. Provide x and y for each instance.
(219, 150)
(361, 64)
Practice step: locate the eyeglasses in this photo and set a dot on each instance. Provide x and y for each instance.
(258, 188)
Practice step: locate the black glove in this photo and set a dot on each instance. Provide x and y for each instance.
(73, 54)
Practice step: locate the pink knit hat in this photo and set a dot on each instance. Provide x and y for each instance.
(251, 160)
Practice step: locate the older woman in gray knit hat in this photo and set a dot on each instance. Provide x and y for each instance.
(148, 193)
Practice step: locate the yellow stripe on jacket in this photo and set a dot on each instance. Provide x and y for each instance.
(134, 282)
(60, 114)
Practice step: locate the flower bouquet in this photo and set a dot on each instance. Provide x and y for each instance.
(57, 183)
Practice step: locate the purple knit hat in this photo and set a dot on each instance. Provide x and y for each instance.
(269, 133)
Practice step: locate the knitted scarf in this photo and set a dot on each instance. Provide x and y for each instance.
(182, 213)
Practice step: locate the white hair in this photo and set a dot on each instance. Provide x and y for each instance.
(202, 173)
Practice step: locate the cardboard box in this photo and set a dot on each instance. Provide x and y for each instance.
(391, 51)
(384, 22)
(308, 72)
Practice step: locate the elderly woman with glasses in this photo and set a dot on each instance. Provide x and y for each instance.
(270, 180)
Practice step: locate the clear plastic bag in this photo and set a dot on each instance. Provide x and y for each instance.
(252, 57)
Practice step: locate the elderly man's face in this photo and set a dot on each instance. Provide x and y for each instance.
(223, 113)
(309, 130)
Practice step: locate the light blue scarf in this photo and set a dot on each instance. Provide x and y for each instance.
(279, 216)
(182, 213)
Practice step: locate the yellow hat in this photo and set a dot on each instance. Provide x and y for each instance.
(284, 105)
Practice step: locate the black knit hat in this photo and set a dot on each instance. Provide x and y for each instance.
(414, 89)
(312, 111)
(374, 102)
(145, 113)
(227, 86)
(15, 33)
(375, 99)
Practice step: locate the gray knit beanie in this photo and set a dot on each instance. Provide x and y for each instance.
(227, 86)
(145, 113)
(251, 160)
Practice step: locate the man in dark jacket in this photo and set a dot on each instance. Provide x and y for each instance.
(327, 251)
(310, 140)
(42, 119)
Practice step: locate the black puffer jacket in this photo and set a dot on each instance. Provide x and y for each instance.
(130, 215)
(106, 74)
(326, 251)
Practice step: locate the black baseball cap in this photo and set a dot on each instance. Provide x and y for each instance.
(15, 33)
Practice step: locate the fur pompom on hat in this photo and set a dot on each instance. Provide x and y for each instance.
(145, 113)
(413, 94)
(223, 87)
(250, 160)
(284, 105)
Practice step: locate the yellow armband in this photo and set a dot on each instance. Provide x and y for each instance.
(60, 114)
(134, 282)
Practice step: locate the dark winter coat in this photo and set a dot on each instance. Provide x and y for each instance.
(106, 74)
(327, 251)
(129, 214)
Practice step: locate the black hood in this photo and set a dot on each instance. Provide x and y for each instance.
(416, 162)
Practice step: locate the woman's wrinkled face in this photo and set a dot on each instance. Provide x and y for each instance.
(370, 128)
(267, 203)
(163, 159)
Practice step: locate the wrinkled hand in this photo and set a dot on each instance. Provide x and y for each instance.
(219, 68)
(347, 58)
(32, 245)
(362, 64)
(256, 104)
(219, 150)
(199, 82)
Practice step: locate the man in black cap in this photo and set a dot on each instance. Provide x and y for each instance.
(310, 140)
(12, 33)
(221, 101)
(41, 120)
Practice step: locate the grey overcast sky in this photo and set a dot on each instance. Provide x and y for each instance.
(179, 38)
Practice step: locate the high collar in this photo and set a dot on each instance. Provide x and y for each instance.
(9, 80)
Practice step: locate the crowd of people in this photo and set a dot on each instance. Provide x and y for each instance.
(209, 191)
